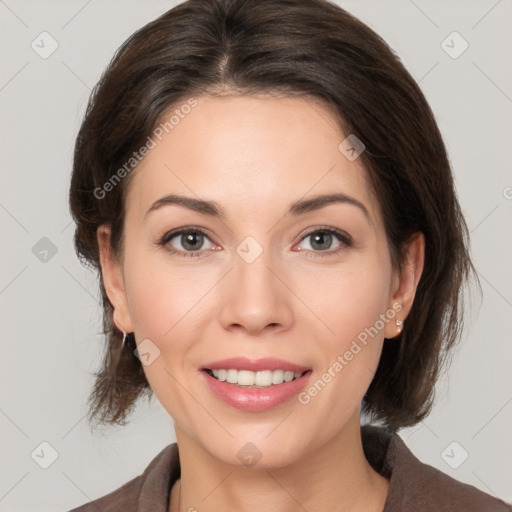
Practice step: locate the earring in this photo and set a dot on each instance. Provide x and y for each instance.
(399, 324)
(124, 339)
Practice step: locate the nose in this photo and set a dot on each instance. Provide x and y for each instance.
(255, 297)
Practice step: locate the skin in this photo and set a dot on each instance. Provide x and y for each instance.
(254, 156)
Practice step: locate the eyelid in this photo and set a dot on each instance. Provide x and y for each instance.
(338, 232)
(186, 229)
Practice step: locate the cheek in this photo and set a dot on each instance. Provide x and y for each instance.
(161, 304)
(161, 295)
(351, 302)
(168, 305)
(149, 297)
(350, 298)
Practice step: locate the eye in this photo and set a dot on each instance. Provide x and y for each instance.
(191, 240)
(322, 240)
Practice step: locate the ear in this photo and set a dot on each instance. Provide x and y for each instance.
(113, 280)
(405, 282)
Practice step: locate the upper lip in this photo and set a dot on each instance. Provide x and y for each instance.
(255, 365)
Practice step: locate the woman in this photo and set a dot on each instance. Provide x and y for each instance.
(268, 200)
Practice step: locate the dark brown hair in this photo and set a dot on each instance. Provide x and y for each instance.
(307, 48)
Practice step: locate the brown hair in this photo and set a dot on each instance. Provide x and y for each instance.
(308, 48)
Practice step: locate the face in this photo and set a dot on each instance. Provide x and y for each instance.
(251, 276)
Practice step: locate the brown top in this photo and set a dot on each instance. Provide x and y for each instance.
(413, 487)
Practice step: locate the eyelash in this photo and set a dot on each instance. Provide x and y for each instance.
(343, 237)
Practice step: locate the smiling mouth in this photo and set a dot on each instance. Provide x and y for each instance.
(259, 379)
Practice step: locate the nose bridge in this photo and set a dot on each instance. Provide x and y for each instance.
(255, 297)
(252, 274)
(252, 268)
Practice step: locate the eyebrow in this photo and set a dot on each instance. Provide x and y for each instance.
(300, 207)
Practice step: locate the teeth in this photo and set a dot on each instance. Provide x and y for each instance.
(263, 378)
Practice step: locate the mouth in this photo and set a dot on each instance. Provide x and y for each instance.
(254, 379)
(264, 372)
(270, 383)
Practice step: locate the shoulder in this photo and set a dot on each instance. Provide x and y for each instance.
(123, 498)
(150, 489)
(415, 486)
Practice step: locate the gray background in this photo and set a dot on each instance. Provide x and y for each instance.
(50, 313)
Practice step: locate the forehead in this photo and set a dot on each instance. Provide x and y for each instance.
(249, 154)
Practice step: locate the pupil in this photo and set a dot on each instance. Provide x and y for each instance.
(324, 237)
(189, 240)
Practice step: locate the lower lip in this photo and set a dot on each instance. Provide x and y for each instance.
(256, 399)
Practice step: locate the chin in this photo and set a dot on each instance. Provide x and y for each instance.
(257, 451)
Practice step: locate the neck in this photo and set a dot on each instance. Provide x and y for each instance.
(334, 476)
